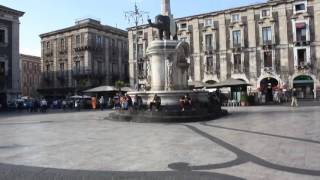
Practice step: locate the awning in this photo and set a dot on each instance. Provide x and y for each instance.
(228, 83)
(303, 82)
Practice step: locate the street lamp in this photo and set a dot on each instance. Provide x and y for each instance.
(136, 16)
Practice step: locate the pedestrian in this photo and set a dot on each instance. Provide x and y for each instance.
(64, 105)
(101, 102)
(43, 105)
(182, 103)
(138, 103)
(294, 98)
(110, 102)
(155, 102)
(129, 101)
(94, 103)
(77, 105)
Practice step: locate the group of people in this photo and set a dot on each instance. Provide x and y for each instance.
(185, 102)
(126, 102)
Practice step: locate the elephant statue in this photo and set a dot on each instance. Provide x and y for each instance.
(163, 24)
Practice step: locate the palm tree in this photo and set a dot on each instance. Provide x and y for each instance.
(119, 84)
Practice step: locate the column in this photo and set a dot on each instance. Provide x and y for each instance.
(197, 50)
(223, 48)
(16, 85)
(252, 46)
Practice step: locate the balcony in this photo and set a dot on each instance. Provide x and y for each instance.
(79, 73)
(88, 47)
(304, 67)
(88, 73)
(98, 74)
(47, 76)
(62, 75)
(48, 53)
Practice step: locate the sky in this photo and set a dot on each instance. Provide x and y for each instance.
(43, 16)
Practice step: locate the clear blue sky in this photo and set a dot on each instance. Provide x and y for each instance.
(43, 16)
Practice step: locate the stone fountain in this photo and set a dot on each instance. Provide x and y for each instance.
(167, 74)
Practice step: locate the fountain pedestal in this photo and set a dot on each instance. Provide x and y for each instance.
(167, 76)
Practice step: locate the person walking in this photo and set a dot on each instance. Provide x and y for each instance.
(101, 103)
(294, 98)
(94, 103)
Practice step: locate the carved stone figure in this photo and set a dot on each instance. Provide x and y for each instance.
(169, 77)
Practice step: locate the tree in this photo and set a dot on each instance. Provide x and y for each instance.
(119, 84)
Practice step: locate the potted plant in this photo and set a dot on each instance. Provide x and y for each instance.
(244, 100)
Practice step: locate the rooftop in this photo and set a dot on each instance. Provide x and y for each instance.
(230, 10)
(87, 23)
(11, 11)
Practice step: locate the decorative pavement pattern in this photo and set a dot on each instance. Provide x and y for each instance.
(251, 143)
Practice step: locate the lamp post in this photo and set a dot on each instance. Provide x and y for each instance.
(136, 16)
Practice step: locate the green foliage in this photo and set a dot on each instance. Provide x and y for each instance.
(119, 84)
(244, 98)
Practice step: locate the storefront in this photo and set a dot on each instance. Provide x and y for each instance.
(304, 85)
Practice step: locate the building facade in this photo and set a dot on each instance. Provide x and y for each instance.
(9, 54)
(85, 55)
(30, 75)
(271, 45)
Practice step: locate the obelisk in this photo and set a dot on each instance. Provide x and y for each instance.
(165, 8)
(166, 11)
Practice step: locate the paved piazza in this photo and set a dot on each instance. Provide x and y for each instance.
(273, 142)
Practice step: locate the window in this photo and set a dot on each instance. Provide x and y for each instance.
(268, 59)
(300, 7)
(302, 57)
(140, 50)
(77, 66)
(48, 45)
(208, 22)
(237, 63)
(236, 38)
(140, 67)
(183, 26)
(235, 17)
(61, 66)
(140, 33)
(78, 40)
(266, 35)
(209, 41)
(265, 13)
(2, 36)
(62, 44)
(48, 67)
(2, 69)
(98, 40)
(301, 32)
(100, 66)
(209, 64)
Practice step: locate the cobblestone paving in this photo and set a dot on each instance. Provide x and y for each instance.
(267, 142)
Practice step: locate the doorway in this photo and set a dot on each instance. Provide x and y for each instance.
(267, 87)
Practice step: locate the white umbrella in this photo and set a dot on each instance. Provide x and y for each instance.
(127, 89)
(101, 89)
(76, 97)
